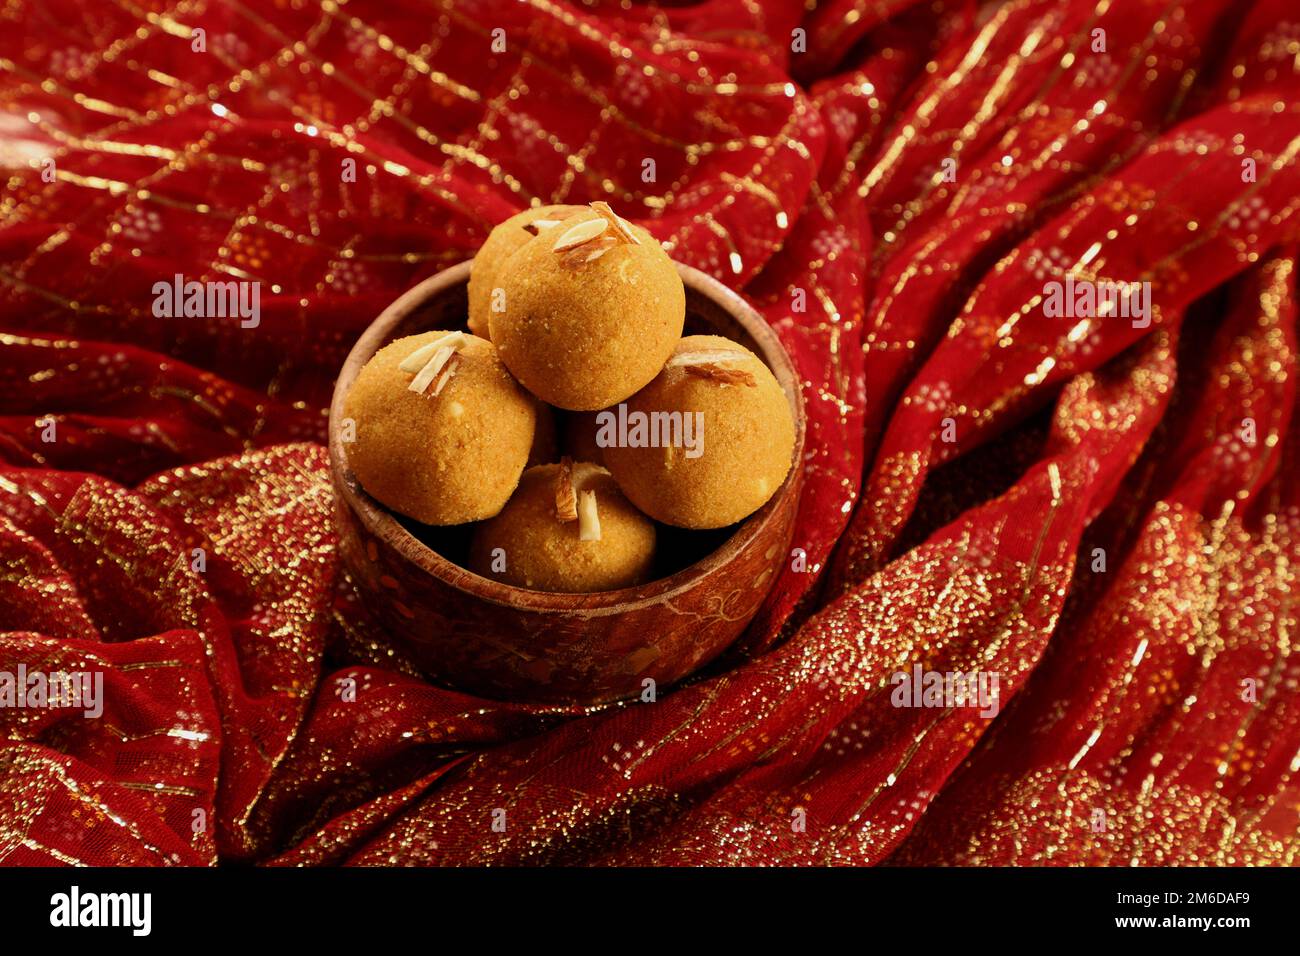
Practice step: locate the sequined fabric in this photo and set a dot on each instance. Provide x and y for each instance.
(1105, 515)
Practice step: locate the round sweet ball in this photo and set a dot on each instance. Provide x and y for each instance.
(567, 528)
(592, 308)
(441, 429)
(706, 443)
(504, 239)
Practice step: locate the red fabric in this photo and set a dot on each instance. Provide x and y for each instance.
(786, 170)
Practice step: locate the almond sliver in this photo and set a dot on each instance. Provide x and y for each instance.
(588, 517)
(722, 374)
(431, 370)
(709, 364)
(583, 232)
(417, 359)
(445, 377)
(566, 501)
(706, 356)
(620, 224)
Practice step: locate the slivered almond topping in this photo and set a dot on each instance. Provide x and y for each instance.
(432, 370)
(537, 225)
(709, 364)
(446, 376)
(588, 518)
(587, 252)
(417, 359)
(620, 224)
(584, 231)
(721, 374)
(566, 501)
(707, 355)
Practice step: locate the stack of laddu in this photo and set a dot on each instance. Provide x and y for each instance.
(572, 310)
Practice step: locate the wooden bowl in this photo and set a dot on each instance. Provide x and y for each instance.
(496, 640)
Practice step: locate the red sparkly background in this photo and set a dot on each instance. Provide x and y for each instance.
(1113, 528)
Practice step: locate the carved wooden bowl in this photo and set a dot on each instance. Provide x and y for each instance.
(492, 639)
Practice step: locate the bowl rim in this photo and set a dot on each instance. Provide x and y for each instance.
(378, 521)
